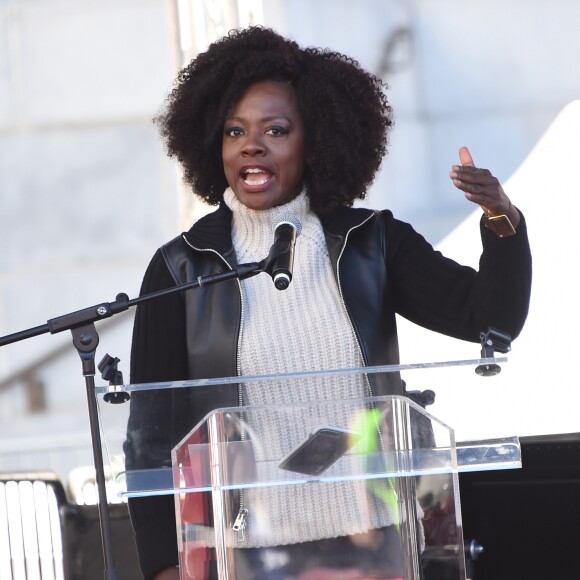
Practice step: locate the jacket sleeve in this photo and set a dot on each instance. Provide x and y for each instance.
(158, 354)
(441, 295)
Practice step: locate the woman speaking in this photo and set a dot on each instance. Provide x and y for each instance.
(263, 128)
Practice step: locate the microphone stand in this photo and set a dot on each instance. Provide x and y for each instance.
(86, 339)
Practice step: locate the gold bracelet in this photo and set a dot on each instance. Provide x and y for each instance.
(500, 225)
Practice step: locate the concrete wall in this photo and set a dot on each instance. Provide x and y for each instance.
(87, 195)
(491, 75)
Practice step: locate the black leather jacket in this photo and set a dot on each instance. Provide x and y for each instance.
(382, 267)
(358, 261)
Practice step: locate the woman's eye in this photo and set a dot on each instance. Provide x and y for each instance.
(234, 132)
(276, 131)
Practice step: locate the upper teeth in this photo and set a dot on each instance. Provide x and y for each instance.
(254, 170)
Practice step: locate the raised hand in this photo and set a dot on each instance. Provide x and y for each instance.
(481, 187)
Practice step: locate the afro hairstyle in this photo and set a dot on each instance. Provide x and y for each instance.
(345, 113)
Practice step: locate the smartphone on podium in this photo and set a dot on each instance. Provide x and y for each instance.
(321, 449)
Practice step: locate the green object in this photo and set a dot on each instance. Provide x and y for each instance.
(368, 443)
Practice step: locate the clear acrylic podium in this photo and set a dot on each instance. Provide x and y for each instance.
(358, 486)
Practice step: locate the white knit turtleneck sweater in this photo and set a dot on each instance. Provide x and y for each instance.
(310, 310)
(317, 335)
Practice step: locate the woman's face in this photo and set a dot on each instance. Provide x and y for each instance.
(263, 147)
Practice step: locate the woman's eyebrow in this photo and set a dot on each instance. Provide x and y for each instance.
(263, 119)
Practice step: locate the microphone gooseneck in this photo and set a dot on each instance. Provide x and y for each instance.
(287, 228)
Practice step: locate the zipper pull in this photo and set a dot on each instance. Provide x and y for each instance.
(241, 523)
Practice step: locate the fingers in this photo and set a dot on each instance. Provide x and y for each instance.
(481, 184)
(465, 157)
(467, 177)
(478, 185)
(472, 179)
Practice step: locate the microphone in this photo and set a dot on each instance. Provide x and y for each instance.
(287, 228)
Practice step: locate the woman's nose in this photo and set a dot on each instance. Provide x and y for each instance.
(253, 146)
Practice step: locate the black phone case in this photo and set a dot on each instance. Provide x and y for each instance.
(319, 451)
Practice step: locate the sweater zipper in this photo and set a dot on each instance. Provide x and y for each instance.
(240, 522)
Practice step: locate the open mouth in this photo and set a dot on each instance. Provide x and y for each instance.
(255, 176)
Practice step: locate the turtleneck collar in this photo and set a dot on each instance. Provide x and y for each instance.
(252, 228)
(299, 207)
(214, 230)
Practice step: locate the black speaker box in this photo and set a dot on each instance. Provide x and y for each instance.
(527, 520)
(82, 547)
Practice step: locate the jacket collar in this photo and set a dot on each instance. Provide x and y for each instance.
(341, 220)
(213, 231)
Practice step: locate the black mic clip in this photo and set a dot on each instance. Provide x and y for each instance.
(110, 372)
(491, 341)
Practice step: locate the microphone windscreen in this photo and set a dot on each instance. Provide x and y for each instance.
(287, 218)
